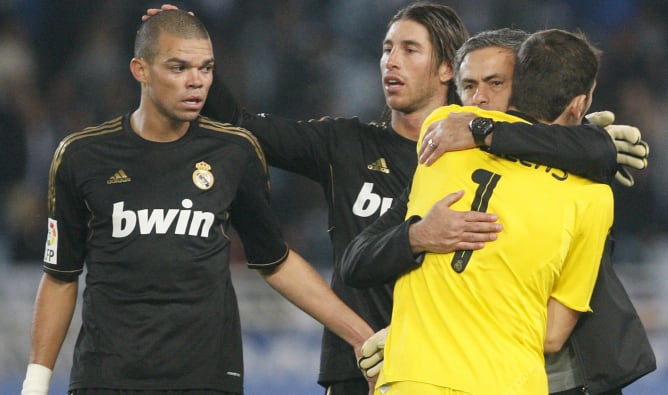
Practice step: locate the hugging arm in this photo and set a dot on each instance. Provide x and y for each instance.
(585, 150)
(381, 252)
(394, 245)
(598, 150)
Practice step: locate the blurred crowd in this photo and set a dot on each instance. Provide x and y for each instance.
(64, 66)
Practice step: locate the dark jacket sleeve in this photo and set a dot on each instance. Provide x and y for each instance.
(585, 150)
(221, 104)
(381, 252)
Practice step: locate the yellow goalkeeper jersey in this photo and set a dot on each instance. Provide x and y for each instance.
(475, 321)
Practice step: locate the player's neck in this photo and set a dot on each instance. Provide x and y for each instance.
(158, 128)
(408, 125)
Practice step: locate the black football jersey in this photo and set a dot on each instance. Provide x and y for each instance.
(361, 167)
(150, 222)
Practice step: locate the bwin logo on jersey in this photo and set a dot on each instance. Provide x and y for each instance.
(367, 202)
(159, 221)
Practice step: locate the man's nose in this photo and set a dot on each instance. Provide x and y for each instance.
(392, 59)
(480, 96)
(194, 78)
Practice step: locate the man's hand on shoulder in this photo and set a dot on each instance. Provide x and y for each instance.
(447, 135)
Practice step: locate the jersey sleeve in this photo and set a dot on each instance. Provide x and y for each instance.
(300, 147)
(593, 221)
(254, 220)
(221, 104)
(64, 251)
(585, 150)
(296, 146)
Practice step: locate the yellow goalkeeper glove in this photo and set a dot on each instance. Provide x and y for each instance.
(632, 151)
(373, 353)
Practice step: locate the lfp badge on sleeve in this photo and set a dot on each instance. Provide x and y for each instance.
(51, 248)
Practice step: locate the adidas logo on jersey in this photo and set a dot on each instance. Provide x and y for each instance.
(379, 165)
(160, 221)
(119, 177)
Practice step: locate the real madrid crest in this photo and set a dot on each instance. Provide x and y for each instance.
(202, 176)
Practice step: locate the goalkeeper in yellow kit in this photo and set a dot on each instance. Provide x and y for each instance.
(479, 322)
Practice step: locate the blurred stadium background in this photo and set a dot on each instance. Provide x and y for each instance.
(64, 66)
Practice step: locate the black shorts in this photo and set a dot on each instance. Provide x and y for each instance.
(104, 391)
(351, 387)
(581, 391)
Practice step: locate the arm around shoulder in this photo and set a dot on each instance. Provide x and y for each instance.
(585, 150)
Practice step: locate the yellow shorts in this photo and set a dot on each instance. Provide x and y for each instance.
(414, 387)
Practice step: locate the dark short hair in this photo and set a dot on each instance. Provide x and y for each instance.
(553, 66)
(175, 22)
(446, 30)
(507, 38)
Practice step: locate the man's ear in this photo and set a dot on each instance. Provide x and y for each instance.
(445, 72)
(138, 68)
(578, 107)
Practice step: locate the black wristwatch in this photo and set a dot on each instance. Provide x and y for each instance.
(480, 128)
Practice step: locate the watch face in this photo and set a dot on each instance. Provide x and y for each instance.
(482, 126)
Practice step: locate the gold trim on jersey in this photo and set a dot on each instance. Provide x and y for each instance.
(281, 259)
(51, 269)
(207, 123)
(333, 193)
(111, 126)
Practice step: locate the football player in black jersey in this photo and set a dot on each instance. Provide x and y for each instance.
(145, 203)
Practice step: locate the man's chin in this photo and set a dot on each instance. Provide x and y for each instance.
(401, 108)
(189, 116)
(396, 104)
